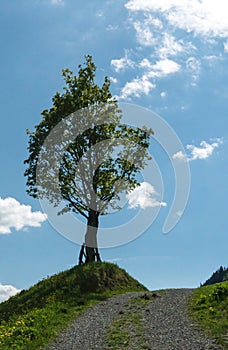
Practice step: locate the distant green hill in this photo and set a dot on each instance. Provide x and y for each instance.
(221, 275)
(32, 318)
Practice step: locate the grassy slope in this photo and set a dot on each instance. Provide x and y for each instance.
(209, 307)
(34, 317)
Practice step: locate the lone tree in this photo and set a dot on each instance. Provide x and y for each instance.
(82, 154)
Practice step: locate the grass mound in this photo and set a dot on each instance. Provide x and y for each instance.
(209, 307)
(32, 318)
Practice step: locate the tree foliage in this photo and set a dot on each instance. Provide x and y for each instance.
(81, 153)
(221, 275)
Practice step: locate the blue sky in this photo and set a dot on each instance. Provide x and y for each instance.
(169, 57)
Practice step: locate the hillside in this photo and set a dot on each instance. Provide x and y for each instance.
(209, 308)
(221, 275)
(35, 316)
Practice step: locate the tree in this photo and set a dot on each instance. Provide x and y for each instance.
(81, 153)
(218, 276)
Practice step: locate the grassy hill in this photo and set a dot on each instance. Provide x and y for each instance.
(209, 308)
(32, 318)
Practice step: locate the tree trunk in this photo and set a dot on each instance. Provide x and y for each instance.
(91, 249)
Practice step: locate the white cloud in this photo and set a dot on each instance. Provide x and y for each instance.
(202, 17)
(163, 94)
(168, 28)
(113, 80)
(226, 47)
(137, 87)
(144, 34)
(211, 58)
(150, 33)
(14, 215)
(57, 2)
(163, 68)
(142, 85)
(194, 67)
(160, 68)
(7, 291)
(144, 196)
(145, 63)
(122, 63)
(155, 22)
(204, 151)
(100, 13)
(180, 156)
(111, 27)
(170, 47)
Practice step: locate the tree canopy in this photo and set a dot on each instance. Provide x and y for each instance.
(82, 154)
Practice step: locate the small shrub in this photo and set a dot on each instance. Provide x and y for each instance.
(219, 293)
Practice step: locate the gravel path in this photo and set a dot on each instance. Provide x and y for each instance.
(165, 321)
(87, 332)
(169, 327)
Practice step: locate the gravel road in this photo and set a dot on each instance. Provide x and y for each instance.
(165, 321)
(169, 327)
(87, 332)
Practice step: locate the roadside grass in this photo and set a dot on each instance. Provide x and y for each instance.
(208, 306)
(128, 329)
(33, 318)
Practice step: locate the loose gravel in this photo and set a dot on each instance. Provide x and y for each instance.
(165, 322)
(169, 327)
(88, 331)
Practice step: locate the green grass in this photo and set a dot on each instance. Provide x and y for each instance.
(209, 308)
(33, 318)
